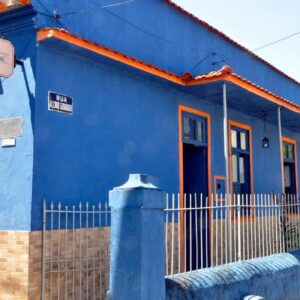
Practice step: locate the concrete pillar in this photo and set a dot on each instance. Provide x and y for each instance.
(137, 241)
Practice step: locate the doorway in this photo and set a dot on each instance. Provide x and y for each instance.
(195, 157)
(240, 162)
(290, 172)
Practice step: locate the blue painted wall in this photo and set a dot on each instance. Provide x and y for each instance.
(121, 124)
(17, 100)
(276, 277)
(153, 31)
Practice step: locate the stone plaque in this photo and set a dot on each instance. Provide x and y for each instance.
(10, 128)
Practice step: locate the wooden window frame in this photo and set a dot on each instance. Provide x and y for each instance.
(288, 140)
(248, 128)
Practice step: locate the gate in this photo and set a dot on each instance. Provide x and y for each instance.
(76, 247)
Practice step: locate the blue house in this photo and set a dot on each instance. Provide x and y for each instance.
(103, 90)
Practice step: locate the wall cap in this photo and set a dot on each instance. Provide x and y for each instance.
(136, 181)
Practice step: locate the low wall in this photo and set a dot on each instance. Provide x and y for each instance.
(14, 262)
(67, 275)
(77, 267)
(275, 277)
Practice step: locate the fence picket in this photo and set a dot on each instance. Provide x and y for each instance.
(262, 224)
(73, 256)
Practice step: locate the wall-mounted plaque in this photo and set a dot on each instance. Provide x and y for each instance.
(10, 128)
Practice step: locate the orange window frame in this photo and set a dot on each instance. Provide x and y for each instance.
(231, 124)
(197, 112)
(294, 143)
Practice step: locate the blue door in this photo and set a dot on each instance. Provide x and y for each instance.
(195, 179)
(290, 174)
(240, 162)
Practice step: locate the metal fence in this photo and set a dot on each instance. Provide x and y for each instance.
(76, 243)
(210, 231)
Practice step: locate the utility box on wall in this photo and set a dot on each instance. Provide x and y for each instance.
(220, 190)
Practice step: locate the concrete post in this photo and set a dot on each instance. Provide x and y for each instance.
(137, 241)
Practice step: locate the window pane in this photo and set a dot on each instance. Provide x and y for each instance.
(243, 140)
(242, 170)
(233, 139)
(199, 131)
(290, 152)
(186, 128)
(287, 176)
(284, 151)
(234, 168)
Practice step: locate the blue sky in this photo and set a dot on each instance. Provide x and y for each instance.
(256, 23)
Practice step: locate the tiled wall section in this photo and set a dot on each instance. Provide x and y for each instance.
(21, 264)
(14, 262)
(80, 264)
(35, 265)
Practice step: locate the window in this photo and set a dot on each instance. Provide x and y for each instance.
(239, 139)
(234, 168)
(233, 138)
(242, 169)
(289, 166)
(240, 164)
(243, 144)
(186, 128)
(240, 160)
(288, 152)
(194, 129)
(287, 176)
(199, 130)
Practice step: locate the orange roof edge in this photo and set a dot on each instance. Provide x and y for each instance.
(4, 7)
(225, 74)
(107, 52)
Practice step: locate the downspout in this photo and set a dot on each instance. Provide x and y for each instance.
(227, 196)
(280, 146)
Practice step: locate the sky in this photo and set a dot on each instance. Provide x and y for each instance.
(254, 24)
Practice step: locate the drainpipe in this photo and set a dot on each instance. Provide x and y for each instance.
(227, 196)
(280, 146)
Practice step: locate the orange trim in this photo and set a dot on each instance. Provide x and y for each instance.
(293, 142)
(44, 34)
(215, 188)
(232, 123)
(259, 91)
(205, 80)
(197, 112)
(4, 7)
(245, 84)
(182, 108)
(225, 74)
